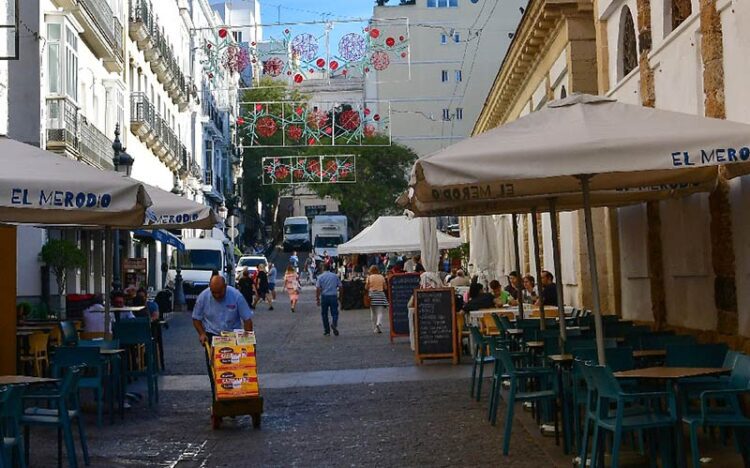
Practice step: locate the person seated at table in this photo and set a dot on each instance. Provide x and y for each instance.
(118, 300)
(528, 293)
(398, 268)
(514, 286)
(548, 295)
(150, 309)
(501, 296)
(460, 279)
(478, 299)
(93, 316)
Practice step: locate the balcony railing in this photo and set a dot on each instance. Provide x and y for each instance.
(142, 116)
(144, 28)
(94, 146)
(62, 125)
(102, 14)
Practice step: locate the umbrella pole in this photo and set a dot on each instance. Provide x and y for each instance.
(592, 268)
(558, 269)
(538, 261)
(107, 282)
(518, 265)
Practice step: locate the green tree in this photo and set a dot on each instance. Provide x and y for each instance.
(382, 175)
(62, 255)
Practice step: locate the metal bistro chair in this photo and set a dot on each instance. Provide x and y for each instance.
(64, 409)
(68, 334)
(38, 357)
(135, 332)
(116, 383)
(92, 377)
(11, 435)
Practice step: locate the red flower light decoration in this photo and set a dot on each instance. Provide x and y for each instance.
(390, 42)
(281, 173)
(222, 33)
(380, 60)
(314, 166)
(374, 33)
(349, 120)
(294, 132)
(369, 130)
(266, 127)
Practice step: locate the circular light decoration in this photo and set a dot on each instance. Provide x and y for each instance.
(273, 66)
(349, 120)
(380, 60)
(266, 127)
(306, 46)
(317, 119)
(369, 130)
(294, 132)
(352, 47)
(223, 33)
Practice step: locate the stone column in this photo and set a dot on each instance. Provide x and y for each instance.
(722, 244)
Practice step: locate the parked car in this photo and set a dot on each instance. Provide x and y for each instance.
(250, 262)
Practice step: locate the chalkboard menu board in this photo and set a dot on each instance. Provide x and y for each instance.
(435, 324)
(401, 287)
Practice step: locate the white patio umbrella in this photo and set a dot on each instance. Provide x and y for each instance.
(393, 234)
(172, 211)
(583, 150)
(428, 244)
(39, 187)
(483, 252)
(506, 252)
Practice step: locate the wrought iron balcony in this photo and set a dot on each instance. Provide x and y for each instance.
(94, 147)
(62, 126)
(142, 117)
(101, 30)
(145, 30)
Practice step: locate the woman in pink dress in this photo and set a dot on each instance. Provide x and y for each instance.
(292, 286)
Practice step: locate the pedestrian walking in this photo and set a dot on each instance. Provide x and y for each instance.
(294, 261)
(246, 286)
(326, 296)
(292, 286)
(272, 280)
(262, 288)
(310, 268)
(376, 286)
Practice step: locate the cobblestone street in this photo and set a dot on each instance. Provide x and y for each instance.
(352, 400)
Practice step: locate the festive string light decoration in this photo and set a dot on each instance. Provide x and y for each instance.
(301, 56)
(289, 170)
(287, 123)
(222, 55)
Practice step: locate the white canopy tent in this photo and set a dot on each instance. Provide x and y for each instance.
(578, 152)
(393, 234)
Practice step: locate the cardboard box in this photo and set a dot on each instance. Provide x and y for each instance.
(236, 383)
(234, 357)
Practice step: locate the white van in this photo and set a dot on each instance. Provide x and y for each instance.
(197, 262)
(296, 233)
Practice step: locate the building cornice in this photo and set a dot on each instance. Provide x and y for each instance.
(539, 27)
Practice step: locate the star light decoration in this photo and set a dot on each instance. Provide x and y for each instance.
(300, 57)
(286, 123)
(287, 170)
(223, 54)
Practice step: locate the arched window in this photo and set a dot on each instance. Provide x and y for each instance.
(563, 92)
(678, 11)
(627, 51)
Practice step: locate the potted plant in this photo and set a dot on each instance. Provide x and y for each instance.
(61, 255)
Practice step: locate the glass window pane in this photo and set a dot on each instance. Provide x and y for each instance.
(53, 63)
(53, 32)
(454, 3)
(431, 3)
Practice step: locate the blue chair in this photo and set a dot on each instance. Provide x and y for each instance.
(696, 355)
(68, 333)
(137, 332)
(11, 409)
(547, 393)
(725, 412)
(482, 356)
(64, 409)
(609, 393)
(116, 383)
(93, 373)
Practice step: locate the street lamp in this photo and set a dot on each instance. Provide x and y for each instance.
(123, 163)
(179, 292)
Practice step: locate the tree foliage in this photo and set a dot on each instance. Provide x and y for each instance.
(62, 255)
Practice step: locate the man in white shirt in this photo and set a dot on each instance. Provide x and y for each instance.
(410, 265)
